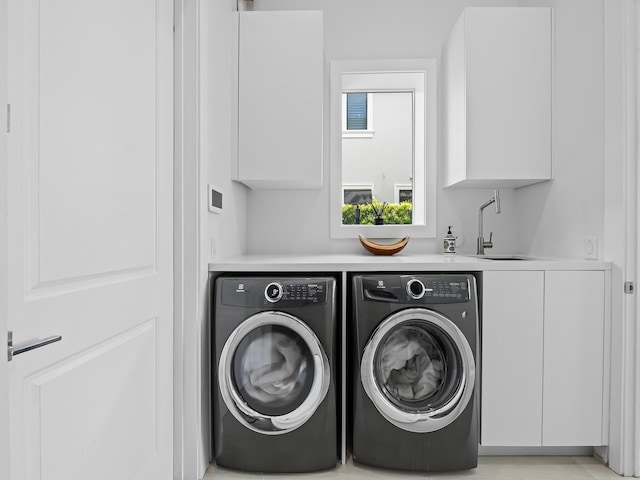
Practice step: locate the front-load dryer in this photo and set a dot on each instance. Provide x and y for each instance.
(415, 345)
(274, 362)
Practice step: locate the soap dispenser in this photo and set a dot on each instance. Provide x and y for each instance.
(449, 243)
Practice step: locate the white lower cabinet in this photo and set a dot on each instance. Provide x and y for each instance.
(542, 358)
(573, 358)
(511, 369)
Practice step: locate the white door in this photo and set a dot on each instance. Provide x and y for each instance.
(89, 230)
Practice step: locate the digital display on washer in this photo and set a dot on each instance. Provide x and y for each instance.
(457, 290)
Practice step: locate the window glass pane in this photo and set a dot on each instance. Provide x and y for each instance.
(357, 196)
(406, 195)
(356, 111)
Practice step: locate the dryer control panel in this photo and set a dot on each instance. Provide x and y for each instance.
(421, 289)
(280, 292)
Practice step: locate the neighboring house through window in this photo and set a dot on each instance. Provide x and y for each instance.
(356, 111)
(357, 194)
(357, 114)
(402, 193)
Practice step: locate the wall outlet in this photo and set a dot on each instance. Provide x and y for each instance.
(214, 251)
(591, 248)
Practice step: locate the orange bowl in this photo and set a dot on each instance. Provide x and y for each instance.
(380, 249)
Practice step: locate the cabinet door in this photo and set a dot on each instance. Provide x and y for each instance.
(511, 385)
(573, 358)
(280, 99)
(499, 99)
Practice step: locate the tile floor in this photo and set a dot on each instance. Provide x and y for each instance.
(489, 468)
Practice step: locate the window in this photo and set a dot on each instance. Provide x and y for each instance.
(402, 193)
(418, 77)
(357, 194)
(356, 111)
(357, 115)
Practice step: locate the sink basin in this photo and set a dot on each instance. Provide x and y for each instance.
(503, 257)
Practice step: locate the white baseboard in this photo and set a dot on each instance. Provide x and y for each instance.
(487, 451)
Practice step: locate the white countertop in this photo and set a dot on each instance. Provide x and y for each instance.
(366, 262)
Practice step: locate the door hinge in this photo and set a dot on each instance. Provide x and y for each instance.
(629, 288)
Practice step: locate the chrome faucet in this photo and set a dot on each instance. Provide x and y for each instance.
(480, 242)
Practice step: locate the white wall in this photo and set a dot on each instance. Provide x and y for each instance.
(556, 216)
(550, 218)
(220, 234)
(226, 232)
(206, 32)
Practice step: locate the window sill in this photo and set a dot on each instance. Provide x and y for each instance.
(358, 133)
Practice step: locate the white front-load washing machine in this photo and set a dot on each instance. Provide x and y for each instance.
(274, 363)
(413, 371)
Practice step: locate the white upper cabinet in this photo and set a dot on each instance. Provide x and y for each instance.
(280, 99)
(498, 97)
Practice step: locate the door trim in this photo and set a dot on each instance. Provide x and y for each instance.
(621, 229)
(633, 121)
(192, 379)
(4, 373)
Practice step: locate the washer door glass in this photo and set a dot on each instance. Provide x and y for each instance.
(417, 367)
(273, 373)
(418, 370)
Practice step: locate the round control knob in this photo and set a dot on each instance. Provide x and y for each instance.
(273, 292)
(415, 288)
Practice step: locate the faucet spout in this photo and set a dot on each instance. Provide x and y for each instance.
(481, 244)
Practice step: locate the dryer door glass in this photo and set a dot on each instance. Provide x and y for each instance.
(418, 369)
(273, 370)
(273, 373)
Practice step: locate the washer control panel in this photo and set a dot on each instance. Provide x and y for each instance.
(420, 289)
(452, 289)
(281, 292)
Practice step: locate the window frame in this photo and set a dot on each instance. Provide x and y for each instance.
(425, 151)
